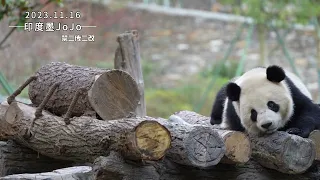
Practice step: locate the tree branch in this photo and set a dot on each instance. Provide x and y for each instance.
(14, 28)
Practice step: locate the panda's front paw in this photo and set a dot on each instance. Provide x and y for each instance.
(222, 126)
(294, 131)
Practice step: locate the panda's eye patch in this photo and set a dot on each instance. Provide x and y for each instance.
(254, 115)
(273, 106)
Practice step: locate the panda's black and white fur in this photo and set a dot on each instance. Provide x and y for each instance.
(265, 100)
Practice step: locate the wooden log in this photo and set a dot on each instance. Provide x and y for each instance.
(283, 152)
(85, 138)
(2, 124)
(149, 140)
(16, 159)
(196, 146)
(280, 151)
(238, 148)
(110, 93)
(315, 137)
(127, 58)
(115, 168)
(70, 173)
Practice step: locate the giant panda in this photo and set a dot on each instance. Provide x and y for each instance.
(264, 100)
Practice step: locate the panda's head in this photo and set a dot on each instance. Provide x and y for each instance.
(261, 99)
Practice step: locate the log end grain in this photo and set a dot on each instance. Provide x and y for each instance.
(204, 146)
(152, 139)
(299, 154)
(315, 137)
(8, 119)
(238, 147)
(114, 94)
(13, 113)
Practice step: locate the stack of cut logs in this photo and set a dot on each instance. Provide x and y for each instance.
(95, 120)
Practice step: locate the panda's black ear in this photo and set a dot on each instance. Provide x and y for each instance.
(275, 74)
(233, 91)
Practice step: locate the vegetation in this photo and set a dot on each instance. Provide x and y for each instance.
(16, 10)
(275, 14)
(163, 101)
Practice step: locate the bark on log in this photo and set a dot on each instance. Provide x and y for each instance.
(85, 138)
(284, 152)
(2, 124)
(127, 58)
(315, 137)
(238, 148)
(115, 168)
(110, 93)
(70, 173)
(280, 151)
(17, 159)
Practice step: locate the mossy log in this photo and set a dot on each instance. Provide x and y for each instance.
(17, 159)
(281, 151)
(85, 138)
(110, 93)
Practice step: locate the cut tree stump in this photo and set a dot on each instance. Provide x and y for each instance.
(17, 159)
(70, 173)
(110, 93)
(127, 58)
(85, 138)
(281, 151)
(238, 148)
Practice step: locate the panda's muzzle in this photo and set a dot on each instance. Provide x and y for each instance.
(266, 125)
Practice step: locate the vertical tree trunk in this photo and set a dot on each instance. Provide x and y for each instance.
(127, 58)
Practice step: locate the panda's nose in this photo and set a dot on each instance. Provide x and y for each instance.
(266, 125)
